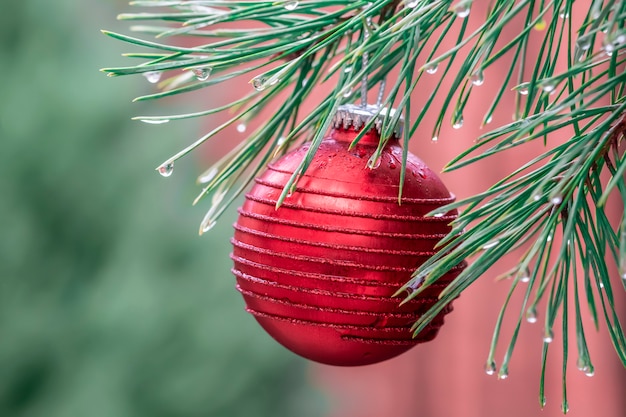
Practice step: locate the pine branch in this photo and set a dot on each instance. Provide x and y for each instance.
(294, 47)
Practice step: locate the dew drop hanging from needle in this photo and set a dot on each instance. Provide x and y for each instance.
(374, 161)
(153, 77)
(531, 315)
(549, 336)
(490, 368)
(155, 121)
(201, 73)
(291, 5)
(166, 169)
(478, 78)
(259, 83)
(549, 87)
(556, 200)
(432, 69)
(462, 10)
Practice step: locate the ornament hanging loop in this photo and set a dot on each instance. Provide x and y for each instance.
(365, 62)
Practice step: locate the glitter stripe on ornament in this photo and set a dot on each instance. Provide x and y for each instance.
(327, 191)
(267, 287)
(282, 307)
(290, 260)
(340, 283)
(334, 246)
(332, 209)
(334, 228)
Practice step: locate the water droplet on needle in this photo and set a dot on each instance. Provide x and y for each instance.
(166, 169)
(201, 73)
(153, 77)
(478, 78)
(432, 69)
(291, 5)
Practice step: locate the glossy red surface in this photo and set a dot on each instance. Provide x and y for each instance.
(319, 273)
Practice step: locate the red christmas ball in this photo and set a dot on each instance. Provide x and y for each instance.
(319, 273)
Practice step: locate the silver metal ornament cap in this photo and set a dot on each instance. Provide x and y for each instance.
(350, 115)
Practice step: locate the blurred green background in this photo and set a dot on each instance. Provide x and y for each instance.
(110, 305)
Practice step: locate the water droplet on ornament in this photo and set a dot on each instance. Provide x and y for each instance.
(259, 83)
(548, 336)
(540, 25)
(462, 10)
(153, 77)
(432, 69)
(374, 161)
(478, 78)
(490, 368)
(412, 3)
(434, 139)
(202, 73)
(491, 244)
(556, 200)
(155, 121)
(531, 315)
(166, 169)
(392, 165)
(241, 127)
(291, 5)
